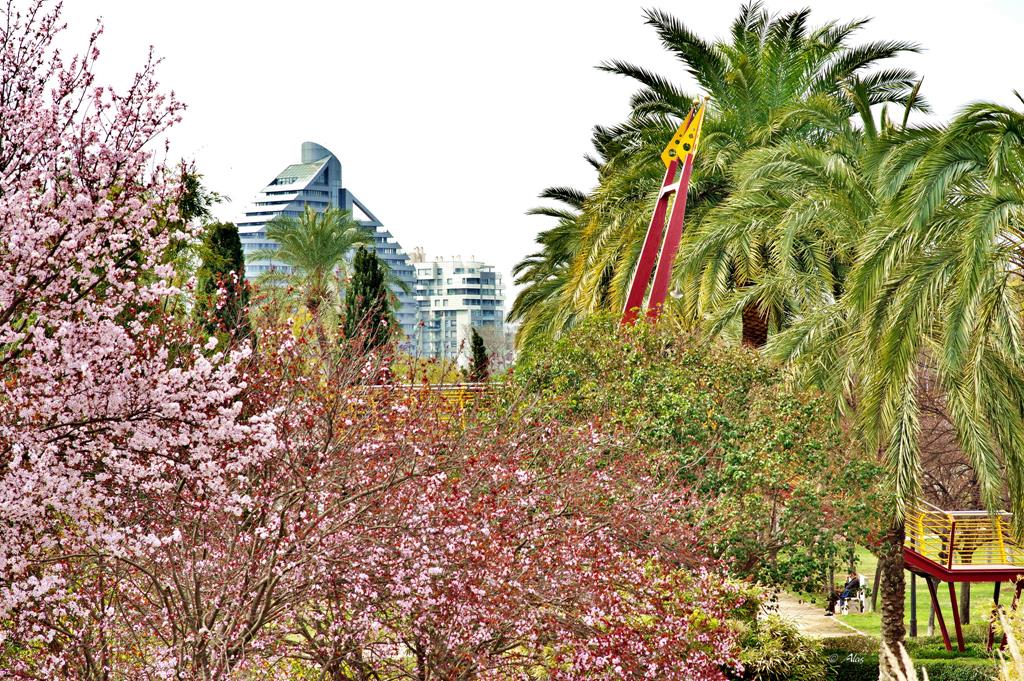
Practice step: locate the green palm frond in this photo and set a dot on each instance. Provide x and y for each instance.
(704, 62)
(313, 250)
(570, 196)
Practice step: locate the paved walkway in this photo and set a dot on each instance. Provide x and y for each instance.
(810, 619)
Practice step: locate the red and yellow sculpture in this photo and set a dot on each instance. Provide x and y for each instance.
(662, 243)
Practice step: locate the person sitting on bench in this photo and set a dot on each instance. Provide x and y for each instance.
(830, 606)
(850, 590)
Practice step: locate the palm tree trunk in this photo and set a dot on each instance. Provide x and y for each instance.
(965, 603)
(893, 586)
(755, 326)
(874, 585)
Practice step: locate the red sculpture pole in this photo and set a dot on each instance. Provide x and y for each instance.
(649, 253)
(661, 244)
(671, 246)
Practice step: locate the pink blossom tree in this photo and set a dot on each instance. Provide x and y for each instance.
(514, 549)
(104, 404)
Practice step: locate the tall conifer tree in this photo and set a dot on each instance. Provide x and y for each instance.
(478, 370)
(223, 267)
(367, 307)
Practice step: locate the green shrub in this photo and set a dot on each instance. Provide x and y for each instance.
(756, 451)
(962, 669)
(853, 643)
(773, 650)
(858, 667)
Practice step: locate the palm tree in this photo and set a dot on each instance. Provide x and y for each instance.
(784, 240)
(314, 250)
(933, 294)
(541, 306)
(770, 68)
(808, 205)
(943, 279)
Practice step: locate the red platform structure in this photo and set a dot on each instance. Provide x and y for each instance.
(661, 244)
(962, 546)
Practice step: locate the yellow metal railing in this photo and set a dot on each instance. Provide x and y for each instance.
(453, 399)
(963, 539)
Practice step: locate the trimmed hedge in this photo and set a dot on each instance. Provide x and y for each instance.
(919, 648)
(852, 643)
(937, 651)
(846, 666)
(852, 666)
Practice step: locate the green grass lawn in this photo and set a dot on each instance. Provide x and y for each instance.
(981, 602)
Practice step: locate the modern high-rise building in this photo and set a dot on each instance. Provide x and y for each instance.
(454, 296)
(316, 182)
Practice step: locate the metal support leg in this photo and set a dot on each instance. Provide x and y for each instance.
(938, 612)
(956, 617)
(913, 604)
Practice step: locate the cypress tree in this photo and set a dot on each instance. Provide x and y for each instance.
(478, 370)
(367, 306)
(223, 267)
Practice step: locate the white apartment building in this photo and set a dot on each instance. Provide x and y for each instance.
(454, 296)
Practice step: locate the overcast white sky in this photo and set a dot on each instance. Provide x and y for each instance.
(450, 117)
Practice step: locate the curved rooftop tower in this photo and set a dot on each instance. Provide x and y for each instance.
(316, 182)
(313, 152)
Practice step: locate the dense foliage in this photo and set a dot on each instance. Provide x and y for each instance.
(879, 257)
(367, 312)
(785, 493)
(183, 505)
(180, 502)
(222, 295)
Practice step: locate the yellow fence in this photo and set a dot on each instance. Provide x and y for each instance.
(963, 539)
(454, 398)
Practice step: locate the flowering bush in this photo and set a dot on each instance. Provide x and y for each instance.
(503, 554)
(107, 406)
